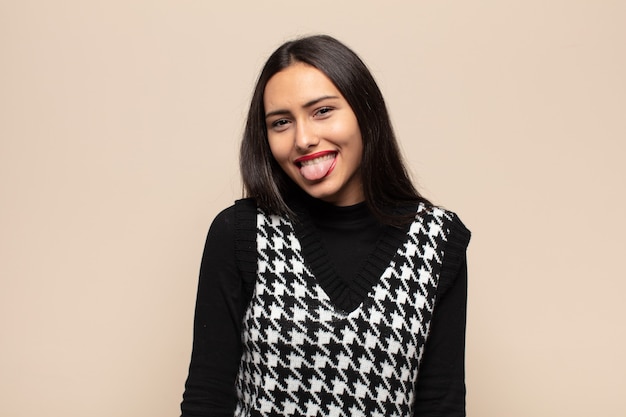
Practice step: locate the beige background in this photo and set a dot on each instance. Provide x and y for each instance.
(119, 129)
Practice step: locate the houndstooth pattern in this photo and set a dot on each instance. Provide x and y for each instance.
(305, 357)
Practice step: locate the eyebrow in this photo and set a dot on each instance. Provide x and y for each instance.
(304, 106)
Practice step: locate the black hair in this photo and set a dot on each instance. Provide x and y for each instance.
(387, 186)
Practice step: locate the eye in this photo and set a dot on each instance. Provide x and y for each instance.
(279, 125)
(323, 112)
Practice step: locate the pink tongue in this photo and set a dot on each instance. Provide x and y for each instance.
(318, 170)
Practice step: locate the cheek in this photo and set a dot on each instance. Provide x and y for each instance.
(358, 156)
(356, 141)
(280, 149)
(352, 133)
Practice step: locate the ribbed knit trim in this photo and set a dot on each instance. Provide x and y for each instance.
(346, 296)
(245, 239)
(454, 253)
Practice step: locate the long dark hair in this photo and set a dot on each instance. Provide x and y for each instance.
(386, 183)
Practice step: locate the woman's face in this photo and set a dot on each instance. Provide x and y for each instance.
(314, 135)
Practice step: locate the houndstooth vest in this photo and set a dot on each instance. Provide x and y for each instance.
(303, 356)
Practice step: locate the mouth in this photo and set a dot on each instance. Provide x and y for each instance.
(317, 165)
(314, 158)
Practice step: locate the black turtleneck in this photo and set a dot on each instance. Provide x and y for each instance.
(349, 235)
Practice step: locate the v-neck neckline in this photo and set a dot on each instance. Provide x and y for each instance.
(345, 295)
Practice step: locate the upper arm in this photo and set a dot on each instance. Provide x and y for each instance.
(220, 303)
(440, 389)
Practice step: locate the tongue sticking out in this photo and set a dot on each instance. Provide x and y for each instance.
(318, 168)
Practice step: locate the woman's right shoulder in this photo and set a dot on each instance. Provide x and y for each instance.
(235, 225)
(223, 223)
(227, 219)
(234, 230)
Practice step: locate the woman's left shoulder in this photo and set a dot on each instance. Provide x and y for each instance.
(456, 237)
(446, 222)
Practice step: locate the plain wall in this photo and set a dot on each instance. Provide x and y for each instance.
(119, 131)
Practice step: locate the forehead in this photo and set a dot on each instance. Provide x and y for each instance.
(297, 84)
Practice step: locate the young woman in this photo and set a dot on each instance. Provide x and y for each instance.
(334, 288)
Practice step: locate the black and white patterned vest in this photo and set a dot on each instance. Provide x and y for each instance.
(303, 356)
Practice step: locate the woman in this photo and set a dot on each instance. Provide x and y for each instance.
(335, 288)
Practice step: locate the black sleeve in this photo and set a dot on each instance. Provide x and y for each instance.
(441, 381)
(220, 305)
(440, 390)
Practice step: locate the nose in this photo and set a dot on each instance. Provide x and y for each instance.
(306, 137)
